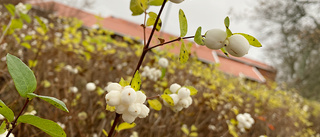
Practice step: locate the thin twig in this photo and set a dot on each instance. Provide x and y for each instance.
(7, 28)
(15, 120)
(116, 119)
(177, 39)
(157, 96)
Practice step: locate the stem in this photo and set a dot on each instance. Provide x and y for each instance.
(15, 120)
(149, 40)
(157, 96)
(144, 28)
(177, 39)
(116, 119)
(7, 28)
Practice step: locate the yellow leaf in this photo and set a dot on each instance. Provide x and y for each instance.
(193, 91)
(110, 108)
(104, 132)
(32, 63)
(167, 99)
(184, 53)
(193, 134)
(46, 83)
(136, 81)
(185, 130)
(155, 104)
(123, 83)
(232, 130)
(194, 128)
(252, 40)
(138, 6)
(125, 125)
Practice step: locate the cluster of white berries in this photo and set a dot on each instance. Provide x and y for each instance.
(163, 62)
(151, 73)
(236, 45)
(21, 8)
(245, 121)
(127, 102)
(71, 69)
(177, 1)
(180, 96)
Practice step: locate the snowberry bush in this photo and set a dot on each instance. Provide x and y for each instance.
(245, 121)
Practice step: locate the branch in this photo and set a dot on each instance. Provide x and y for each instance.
(14, 123)
(177, 39)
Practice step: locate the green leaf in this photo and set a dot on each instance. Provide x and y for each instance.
(3, 127)
(48, 126)
(26, 45)
(152, 19)
(167, 99)
(163, 72)
(27, 38)
(138, 6)
(125, 125)
(193, 91)
(193, 134)
(16, 24)
(28, 6)
(136, 81)
(53, 101)
(183, 23)
(23, 77)
(229, 33)
(6, 112)
(25, 17)
(227, 22)
(32, 63)
(155, 104)
(11, 9)
(123, 83)
(232, 130)
(223, 49)
(184, 53)
(198, 37)
(43, 25)
(155, 2)
(111, 108)
(252, 40)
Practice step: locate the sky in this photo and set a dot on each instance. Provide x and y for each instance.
(208, 14)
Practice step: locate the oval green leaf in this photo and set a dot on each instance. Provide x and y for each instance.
(137, 7)
(198, 37)
(11, 8)
(155, 104)
(23, 77)
(167, 99)
(3, 127)
(48, 126)
(53, 101)
(155, 2)
(227, 22)
(184, 53)
(183, 23)
(6, 112)
(252, 40)
(136, 81)
(167, 91)
(125, 125)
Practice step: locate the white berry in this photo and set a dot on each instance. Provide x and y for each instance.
(163, 62)
(128, 96)
(113, 98)
(127, 117)
(175, 98)
(90, 86)
(215, 38)
(141, 98)
(238, 45)
(174, 87)
(114, 86)
(183, 93)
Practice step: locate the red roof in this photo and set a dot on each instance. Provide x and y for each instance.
(234, 66)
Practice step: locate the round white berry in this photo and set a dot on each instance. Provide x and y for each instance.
(238, 45)
(175, 98)
(184, 103)
(215, 38)
(74, 89)
(141, 98)
(183, 93)
(127, 117)
(128, 96)
(177, 1)
(163, 62)
(174, 87)
(177, 108)
(134, 109)
(90, 86)
(114, 86)
(113, 98)
(144, 111)
(120, 109)
(189, 100)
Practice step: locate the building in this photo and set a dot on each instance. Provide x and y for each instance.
(248, 68)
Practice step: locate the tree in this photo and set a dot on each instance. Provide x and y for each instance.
(292, 30)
